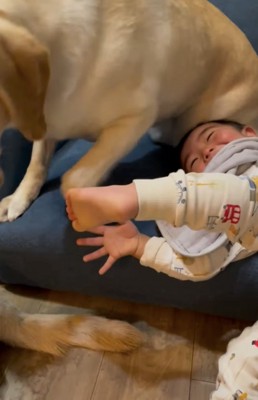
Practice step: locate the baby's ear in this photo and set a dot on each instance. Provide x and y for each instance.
(24, 76)
(248, 131)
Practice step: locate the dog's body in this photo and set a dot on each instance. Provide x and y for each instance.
(116, 67)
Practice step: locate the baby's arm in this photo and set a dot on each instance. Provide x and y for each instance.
(159, 256)
(122, 240)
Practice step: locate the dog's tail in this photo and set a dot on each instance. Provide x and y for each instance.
(54, 334)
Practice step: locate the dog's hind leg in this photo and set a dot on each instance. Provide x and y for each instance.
(54, 334)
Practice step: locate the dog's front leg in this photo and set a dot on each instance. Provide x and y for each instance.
(11, 207)
(113, 143)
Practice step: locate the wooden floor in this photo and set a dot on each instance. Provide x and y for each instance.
(179, 362)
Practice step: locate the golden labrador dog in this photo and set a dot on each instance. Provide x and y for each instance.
(107, 70)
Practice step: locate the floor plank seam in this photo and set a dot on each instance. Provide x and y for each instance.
(191, 371)
(97, 377)
(203, 381)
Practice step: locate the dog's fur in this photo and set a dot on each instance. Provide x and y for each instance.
(53, 334)
(108, 70)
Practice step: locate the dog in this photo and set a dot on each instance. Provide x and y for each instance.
(108, 70)
(54, 334)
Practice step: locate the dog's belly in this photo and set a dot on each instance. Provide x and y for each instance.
(90, 109)
(69, 119)
(70, 131)
(87, 112)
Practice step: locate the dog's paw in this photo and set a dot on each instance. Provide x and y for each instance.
(66, 183)
(74, 178)
(4, 205)
(81, 177)
(12, 207)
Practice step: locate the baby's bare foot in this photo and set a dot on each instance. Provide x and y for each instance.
(69, 210)
(91, 207)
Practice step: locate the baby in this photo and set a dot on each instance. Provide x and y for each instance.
(216, 202)
(195, 200)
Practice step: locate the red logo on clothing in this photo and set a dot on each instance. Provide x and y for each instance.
(232, 213)
(255, 343)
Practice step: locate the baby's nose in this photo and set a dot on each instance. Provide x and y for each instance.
(207, 153)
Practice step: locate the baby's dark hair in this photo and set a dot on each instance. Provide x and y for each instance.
(234, 124)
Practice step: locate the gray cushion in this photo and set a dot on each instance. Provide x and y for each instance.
(244, 13)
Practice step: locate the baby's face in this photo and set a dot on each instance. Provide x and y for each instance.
(205, 141)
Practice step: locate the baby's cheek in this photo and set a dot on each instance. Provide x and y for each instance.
(199, 166)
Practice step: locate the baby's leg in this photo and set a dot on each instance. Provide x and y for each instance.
(91, 207)
(238, 368)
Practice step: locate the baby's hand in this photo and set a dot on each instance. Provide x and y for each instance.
(115, 242)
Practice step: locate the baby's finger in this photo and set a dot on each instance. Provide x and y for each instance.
(95, 255)
(108, 264)
(92, 241)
